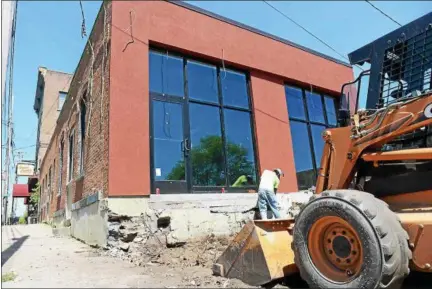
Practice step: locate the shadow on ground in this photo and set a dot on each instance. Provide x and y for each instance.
(12, 249)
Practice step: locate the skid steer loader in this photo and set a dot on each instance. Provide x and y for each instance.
(370, 220)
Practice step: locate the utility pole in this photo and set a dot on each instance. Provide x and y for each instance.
(14, 204)
(10, 117)
(7, 156)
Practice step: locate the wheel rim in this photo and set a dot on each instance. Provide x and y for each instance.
(335, 249)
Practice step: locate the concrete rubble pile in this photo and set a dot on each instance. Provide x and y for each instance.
(161, 236)
(129, 236)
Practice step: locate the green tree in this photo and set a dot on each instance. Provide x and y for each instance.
(208, 163)
(21, 220)
(35, 195)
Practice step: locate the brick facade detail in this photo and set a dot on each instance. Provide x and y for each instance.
(89, 85)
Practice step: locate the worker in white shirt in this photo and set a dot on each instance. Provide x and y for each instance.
(269, 184)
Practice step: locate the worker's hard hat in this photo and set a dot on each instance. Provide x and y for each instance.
(279, 172)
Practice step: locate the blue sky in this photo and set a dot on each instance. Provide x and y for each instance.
(48, 34)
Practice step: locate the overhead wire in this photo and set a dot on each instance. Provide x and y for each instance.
(383, 13)
(394, 21)
(310, 33)
(25, 147)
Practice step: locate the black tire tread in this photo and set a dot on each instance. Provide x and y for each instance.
(396, 252)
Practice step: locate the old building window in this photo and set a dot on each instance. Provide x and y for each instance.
(83, 112)
(61, 99)
(53, 173)
(71, 156)
(202, 134)
(60, 179)
(309, 114)
(49, 178)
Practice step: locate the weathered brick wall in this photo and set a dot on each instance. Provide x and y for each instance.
(91, 80)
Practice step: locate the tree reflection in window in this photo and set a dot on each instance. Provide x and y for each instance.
(216, 142)
(207, 158)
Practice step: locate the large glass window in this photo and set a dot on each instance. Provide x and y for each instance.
(166, 74)
(207, 154)
(310, 114)
(315, 107)
(168, 157)
(318, 142)
(295, 102)
(302, 154)
(234, 89)
(239, 145)
(214, 147)
(331, 111)
(202, 82)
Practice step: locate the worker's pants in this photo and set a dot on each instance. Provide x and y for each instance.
(266, 199)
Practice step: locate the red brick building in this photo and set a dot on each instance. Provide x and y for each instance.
(170, 99)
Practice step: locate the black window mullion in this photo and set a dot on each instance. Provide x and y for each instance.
(186, 129)
(222, 120)
(204, 102)
(309, 132)
(185, 99)
(298, 119)
(237, 108)
(318, 123)
(324, 110)
(252, 127)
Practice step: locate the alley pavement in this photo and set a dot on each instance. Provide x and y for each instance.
(41, 260)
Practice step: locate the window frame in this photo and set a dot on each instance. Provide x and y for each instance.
(60, 166)
(82, 134)
(58, 99)
(50, 179)
(309, 123)
(70, 168)
(220, 105)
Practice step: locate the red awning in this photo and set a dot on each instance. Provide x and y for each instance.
(20, 191)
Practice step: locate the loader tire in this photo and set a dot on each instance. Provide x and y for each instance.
(350, 239)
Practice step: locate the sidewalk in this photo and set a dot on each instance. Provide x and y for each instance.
(41, 260)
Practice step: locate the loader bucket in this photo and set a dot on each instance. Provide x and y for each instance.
(259, 254)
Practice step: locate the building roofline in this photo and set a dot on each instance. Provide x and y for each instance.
(74, 75)
(255, 30)
(40, 69)
(58, 71)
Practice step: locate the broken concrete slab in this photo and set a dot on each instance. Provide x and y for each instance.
(129, 237)
(125, 247)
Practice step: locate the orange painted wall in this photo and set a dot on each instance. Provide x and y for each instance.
(165, 24)
(272, 128)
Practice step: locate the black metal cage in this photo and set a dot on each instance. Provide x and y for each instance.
(406, 68)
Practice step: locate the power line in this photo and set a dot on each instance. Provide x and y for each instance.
(309, 32)
(383, 13)
(20, 148)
